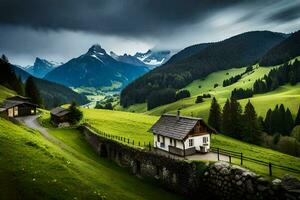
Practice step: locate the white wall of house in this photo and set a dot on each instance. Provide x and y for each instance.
(197, 141)
(163, 142)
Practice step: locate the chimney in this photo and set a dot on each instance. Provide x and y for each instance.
(178, 115)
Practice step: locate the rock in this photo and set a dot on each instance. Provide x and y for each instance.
(237, 177)
(237, 169)
(206, 174)
(249, 186)
(261, 188)
(290, 183)
(220, 165)
(276, 182)
(249, 174)
(262, 181)
(239, 183)
(224, 171)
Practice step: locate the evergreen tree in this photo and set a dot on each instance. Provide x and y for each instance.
(250, 132)
(268, 122)
(32, 92)
(289, 122)
(275, 121)
(280, 126)
(226, 119)
(4, 58)
(236, 118)
(297, 120)
(215, 117)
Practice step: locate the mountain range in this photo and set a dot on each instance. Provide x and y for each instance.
(41, 67)
(198, 61)
(96, 69)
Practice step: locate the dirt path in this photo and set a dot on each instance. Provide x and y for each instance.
(32, 122)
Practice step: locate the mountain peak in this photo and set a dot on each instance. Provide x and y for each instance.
(96, 48)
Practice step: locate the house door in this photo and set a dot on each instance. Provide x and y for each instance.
(11, 112)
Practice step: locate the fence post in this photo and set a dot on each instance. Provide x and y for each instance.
(218, 154)
(149, 146)
(229, 158)
(241, 158)
(139, 143)
(270, 169)
(128, 140)
(132, 142)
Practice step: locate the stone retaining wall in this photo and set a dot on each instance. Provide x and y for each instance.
(197, 180)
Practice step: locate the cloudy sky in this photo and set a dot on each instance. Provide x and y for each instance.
(62, 29)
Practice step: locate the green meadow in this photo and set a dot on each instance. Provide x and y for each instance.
(135, 126)
(33, 167)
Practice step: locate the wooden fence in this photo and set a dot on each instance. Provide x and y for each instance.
(242, 158)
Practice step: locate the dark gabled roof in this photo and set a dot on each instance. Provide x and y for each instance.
(59, 111)
(10, 103)
(18, 98)
(170, 126)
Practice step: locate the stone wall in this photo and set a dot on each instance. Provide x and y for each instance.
(194, 179)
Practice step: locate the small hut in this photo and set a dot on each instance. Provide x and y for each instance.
(60, 116)
(18, 106)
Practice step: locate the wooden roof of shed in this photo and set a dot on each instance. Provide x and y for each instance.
(10, 103)
(170, 126)
(59, 111)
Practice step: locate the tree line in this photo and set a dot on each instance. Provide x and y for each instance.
(287, 73)
(236, 78)
(277, 126)
(9, 79)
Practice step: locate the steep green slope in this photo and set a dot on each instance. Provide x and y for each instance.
(4, 93)
(238, 51)
(283, 52)
(33, 168)
(135, 126)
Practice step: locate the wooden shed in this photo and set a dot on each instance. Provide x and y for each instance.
(18, 106)
(60, 115)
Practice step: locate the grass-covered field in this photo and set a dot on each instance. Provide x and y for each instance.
(4, 93)
(33, 168)
(135, 126)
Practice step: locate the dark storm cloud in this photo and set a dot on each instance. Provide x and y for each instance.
(287, 14)
(121, 17)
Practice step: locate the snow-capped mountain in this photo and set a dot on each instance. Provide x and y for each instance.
(154, 58)
(126, 58)
(41, 67)
(95, 69)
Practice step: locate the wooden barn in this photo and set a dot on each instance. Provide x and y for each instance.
(60, 115)
(18, 106)
(181, 135)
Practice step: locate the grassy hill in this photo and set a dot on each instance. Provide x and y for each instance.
(287, 94)
(5, 92)
(34, 168)
(135, 126)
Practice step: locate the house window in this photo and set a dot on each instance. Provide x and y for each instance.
(205, 140)
(16, 111)
(191, 142)
(174, 143)
(158, 138)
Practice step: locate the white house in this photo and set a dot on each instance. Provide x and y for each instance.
(181, 135)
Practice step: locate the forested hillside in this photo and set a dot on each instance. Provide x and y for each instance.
(283, 52)
(238, 51)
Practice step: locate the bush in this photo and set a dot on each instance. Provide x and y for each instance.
(199, 99)
(289, 145)
(108, 106)
(216, 85)
(75, 114)
(99, 106)
(296, 133)
(276, 138)
(182, 94)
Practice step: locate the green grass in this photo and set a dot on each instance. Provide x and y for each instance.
(4, 93)
(135, 126)
(125, 124)
(33, 168)
(287, 94)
